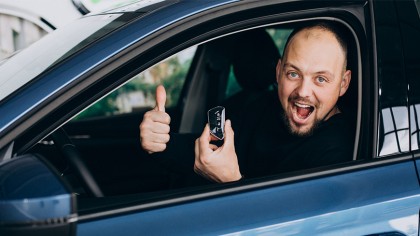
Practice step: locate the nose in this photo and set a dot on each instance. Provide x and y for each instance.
(304, 88)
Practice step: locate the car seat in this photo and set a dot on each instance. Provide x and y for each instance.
(254, 61)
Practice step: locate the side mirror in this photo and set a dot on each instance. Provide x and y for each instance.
(33, 200)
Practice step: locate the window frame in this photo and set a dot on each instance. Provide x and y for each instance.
(269, 181)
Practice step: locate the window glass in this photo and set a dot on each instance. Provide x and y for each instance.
(409, 21)
(139, 91)
(400, 124)
(394, 132)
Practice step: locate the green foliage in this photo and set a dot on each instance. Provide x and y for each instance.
(280, 37)
(170, 73)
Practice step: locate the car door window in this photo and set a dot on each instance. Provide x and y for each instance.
(394, 134)
(400, 59)
(409, 22)
(138, 93)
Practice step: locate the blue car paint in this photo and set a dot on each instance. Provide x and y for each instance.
(376, 200)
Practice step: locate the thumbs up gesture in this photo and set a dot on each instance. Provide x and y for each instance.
(154, 129)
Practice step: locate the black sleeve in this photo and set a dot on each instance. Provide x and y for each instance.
(178, 159)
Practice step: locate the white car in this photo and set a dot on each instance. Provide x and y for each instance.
(23, 22)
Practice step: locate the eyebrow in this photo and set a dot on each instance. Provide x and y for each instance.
(318, 72)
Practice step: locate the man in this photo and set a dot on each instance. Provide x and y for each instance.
(301, 128)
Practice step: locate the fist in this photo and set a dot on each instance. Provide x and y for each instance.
(154, 128)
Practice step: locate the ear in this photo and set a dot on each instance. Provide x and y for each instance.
(345, 82)
(278, 71)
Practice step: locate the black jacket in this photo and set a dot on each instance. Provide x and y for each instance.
(264, 146)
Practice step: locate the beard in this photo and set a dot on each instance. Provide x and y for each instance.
(298, 133)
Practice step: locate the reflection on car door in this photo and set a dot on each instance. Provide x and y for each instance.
(369, 201)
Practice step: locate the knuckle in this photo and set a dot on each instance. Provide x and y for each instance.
(202, 138)
(144, 134)
(167, 138)
(147, 115)
(205, 161)
(143, 125)
(167, 118)
(145, 146)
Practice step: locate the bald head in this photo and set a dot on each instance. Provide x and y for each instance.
(317, 29)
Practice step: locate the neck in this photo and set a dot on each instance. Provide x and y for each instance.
(332, 112)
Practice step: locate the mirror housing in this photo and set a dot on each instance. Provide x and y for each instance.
(33, 200)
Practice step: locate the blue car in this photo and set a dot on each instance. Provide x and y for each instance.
(71, 103)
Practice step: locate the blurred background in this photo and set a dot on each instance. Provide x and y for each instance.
(23, 22)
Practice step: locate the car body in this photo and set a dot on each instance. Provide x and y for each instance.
(94, 179)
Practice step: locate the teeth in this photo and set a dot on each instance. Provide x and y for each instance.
(302, 105)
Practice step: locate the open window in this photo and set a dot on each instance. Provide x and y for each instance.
(231, 70)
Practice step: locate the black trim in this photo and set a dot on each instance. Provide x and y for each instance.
(47, 23)
(80, 7)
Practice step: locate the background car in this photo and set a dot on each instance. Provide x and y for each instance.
(71, 163)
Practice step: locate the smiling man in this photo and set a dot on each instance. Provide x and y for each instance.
(297, 127)
(312, 77)
(306, 129)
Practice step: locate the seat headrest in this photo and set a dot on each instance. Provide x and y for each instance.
(254, 60)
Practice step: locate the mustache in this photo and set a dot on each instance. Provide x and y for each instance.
(296, 98)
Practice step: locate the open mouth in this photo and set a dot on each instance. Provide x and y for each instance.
(303, 111)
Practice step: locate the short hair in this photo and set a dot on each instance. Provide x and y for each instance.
(337, 29)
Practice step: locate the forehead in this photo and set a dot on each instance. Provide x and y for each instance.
(315, 47)
(316, 36)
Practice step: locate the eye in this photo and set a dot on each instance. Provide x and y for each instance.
(320, 79)
(293, 75)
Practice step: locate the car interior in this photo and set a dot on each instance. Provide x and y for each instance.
(101, 156)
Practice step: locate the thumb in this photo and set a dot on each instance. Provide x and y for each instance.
(229, 134)
(160, 98)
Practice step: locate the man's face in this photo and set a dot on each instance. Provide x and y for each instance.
(311, 78)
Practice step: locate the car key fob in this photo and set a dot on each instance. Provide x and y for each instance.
(216, 119)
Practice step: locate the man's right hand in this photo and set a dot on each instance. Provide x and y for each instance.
(154, 129)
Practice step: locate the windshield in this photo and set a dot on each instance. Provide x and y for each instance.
(54, 47)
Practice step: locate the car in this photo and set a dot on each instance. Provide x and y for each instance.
(71, 104)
